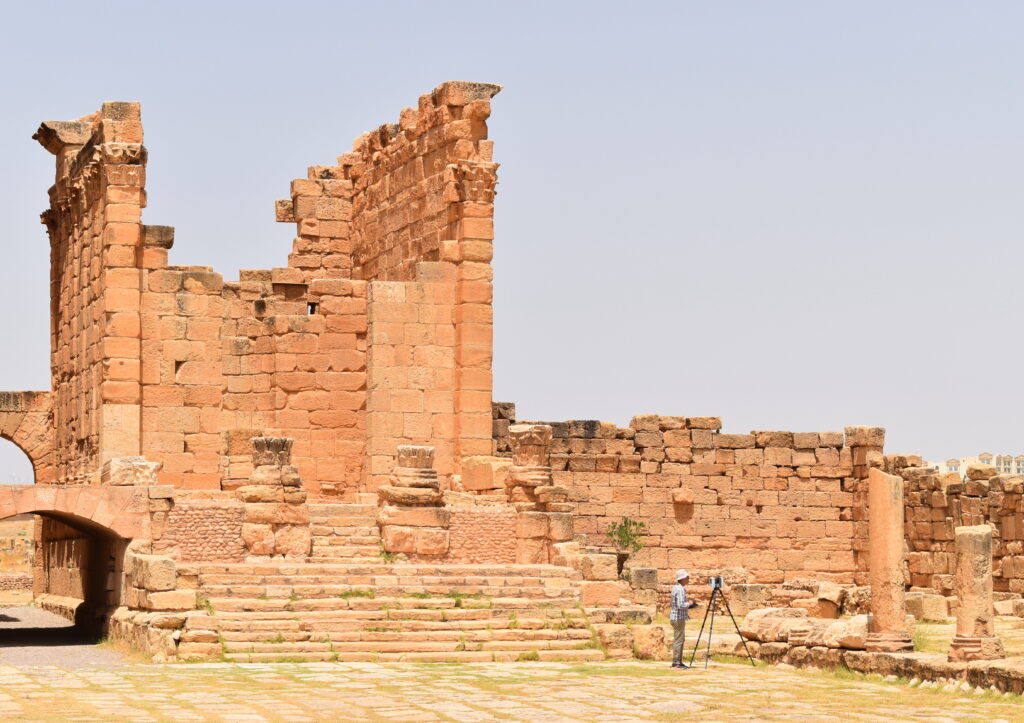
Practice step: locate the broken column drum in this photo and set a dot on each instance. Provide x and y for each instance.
(975, 628)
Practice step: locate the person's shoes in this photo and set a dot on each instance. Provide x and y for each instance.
(677, 665)
(684, 666)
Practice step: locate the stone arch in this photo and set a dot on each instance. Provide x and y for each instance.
(26, 419)
(121, 511)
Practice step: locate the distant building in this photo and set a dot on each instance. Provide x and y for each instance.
(1004, 463)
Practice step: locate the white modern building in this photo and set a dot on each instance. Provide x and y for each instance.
(1004, 463)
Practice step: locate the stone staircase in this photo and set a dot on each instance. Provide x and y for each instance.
(344, 533)
(376, 611)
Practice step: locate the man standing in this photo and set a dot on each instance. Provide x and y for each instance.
(679, 614)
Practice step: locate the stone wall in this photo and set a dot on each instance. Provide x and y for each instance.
(203, 530)
(378, 333)
(482, 534)
(777, 505)
(66, 559)
(95, 239)
(936, 504)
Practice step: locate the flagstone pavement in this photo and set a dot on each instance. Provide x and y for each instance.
(533, 691)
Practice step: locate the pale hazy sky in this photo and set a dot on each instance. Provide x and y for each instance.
(794, 215)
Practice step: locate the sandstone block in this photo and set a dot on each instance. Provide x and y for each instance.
(865, 437)
(261, 493)
(682, 496)
(292, 540)
(552, 494)
(644, 578)
(415, 516)
(258, 538)
(980, 471)
(817, 608)
(649, 642)
(599, 567)
(410, 495)
(758, 622)
(485, 473)
(154, 572)
(560, 526)
(532, 551)
(276, 514)
(123, 471)
(170, 600)
(431, 541)
(532, 524)
(617, 639)
(399, 539)
(599, 594)
(927, 607)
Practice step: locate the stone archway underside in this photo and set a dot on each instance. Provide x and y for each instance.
(122, 510)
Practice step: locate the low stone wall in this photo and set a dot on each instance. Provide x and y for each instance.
(16, 581)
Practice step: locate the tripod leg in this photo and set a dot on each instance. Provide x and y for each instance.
(696, 643)
(744, 640)
(711, 630)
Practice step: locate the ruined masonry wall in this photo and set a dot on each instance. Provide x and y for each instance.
(482, 534)
(95, 250)
(936, 504)
(778, 505)
(203, 531)
(175, 364)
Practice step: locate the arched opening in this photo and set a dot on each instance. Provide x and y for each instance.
(15, 465)
(76, 576)
(17, 533)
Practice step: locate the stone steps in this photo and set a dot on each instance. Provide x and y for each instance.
(380, 568)
(232, 638)
(415, 656)
(371, 610)
(300, 591)
(243, 604)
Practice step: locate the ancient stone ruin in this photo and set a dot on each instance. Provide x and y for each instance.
(308, 463)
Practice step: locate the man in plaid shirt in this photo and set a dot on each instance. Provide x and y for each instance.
(679, 614)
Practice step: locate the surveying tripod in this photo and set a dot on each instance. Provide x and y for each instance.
(717, 593)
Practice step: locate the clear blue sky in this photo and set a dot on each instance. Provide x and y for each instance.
(795, 215)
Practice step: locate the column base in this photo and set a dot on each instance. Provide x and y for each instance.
(963, 649)
(888, 643)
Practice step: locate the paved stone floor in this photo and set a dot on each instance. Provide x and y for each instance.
(31, 636)
(608, 692)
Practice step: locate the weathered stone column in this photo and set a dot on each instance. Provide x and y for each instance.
(531, 466)
(276, 517)
(412, 518)
(975, 628)
(888, 631)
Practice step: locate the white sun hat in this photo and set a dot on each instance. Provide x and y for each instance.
(681, 574)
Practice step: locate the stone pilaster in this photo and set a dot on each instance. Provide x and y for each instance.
(886, 552)
(276, 521)
(975, 629)
(411, 517)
